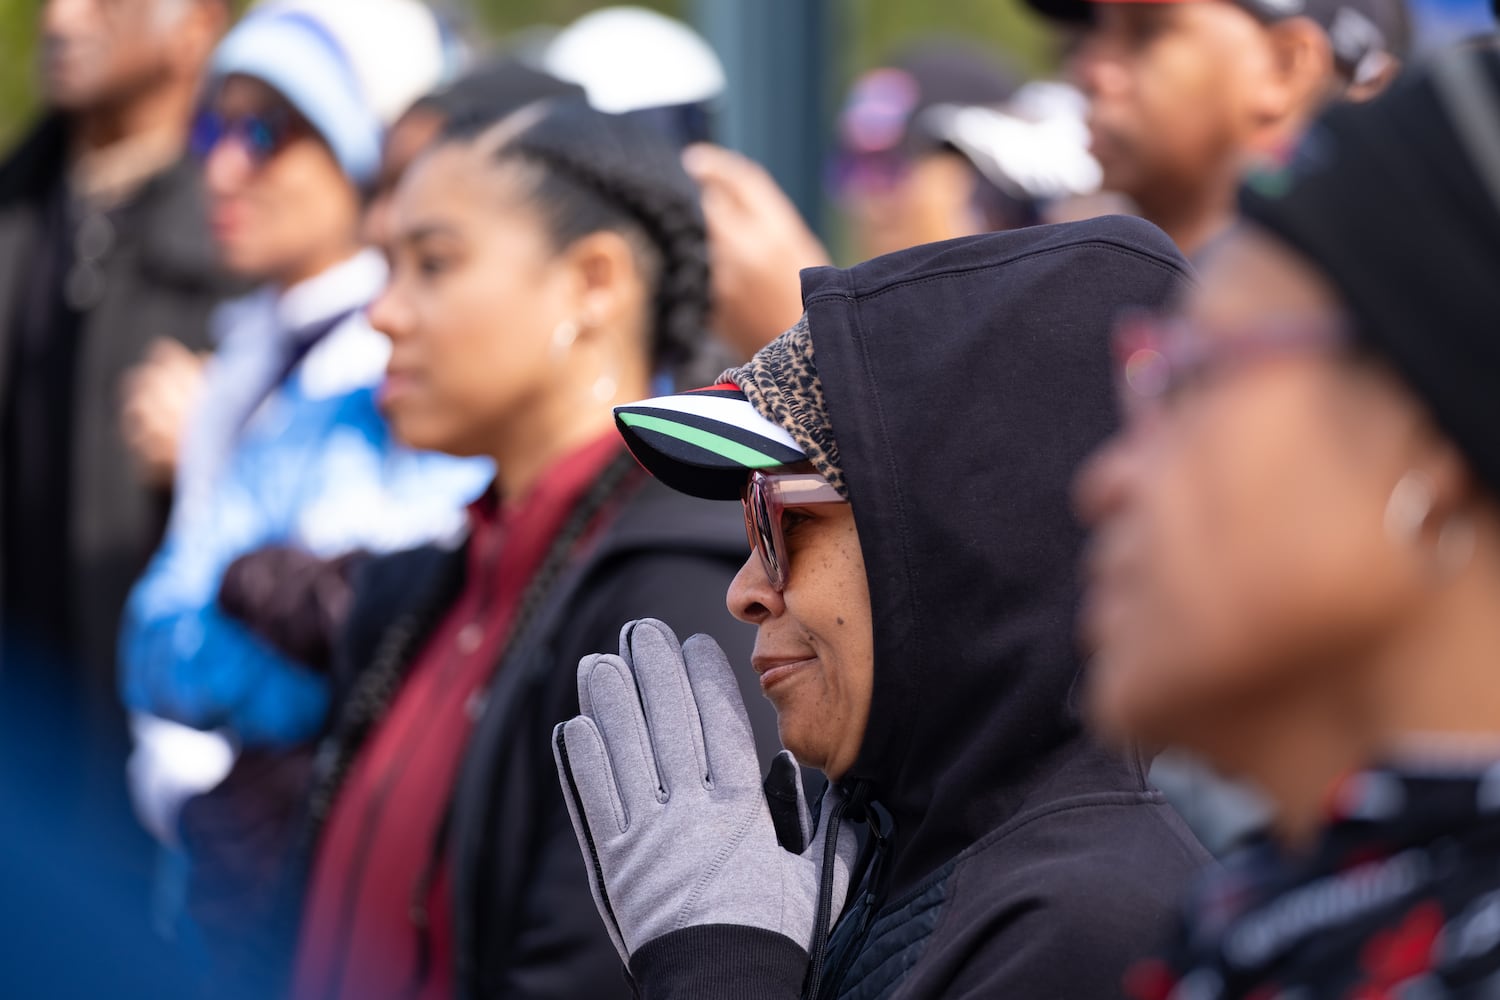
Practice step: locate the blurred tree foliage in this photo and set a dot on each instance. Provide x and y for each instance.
(876, 28)
(17, 81)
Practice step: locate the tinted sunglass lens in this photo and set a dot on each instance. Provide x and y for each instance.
(261, 138)
(208, 129)
(765, 537)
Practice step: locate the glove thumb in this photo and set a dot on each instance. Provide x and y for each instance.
(788, 803)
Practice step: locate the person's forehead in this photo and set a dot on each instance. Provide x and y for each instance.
(240, 94)
(1188, 16)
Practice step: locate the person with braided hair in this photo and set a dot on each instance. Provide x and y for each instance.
(543, 268)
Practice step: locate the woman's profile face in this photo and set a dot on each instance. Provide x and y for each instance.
(814, 641)
(1239, 556)
(476, 293)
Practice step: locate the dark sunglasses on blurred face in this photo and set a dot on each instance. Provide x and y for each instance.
(767, 497)
(260, 135)
(1157, 358)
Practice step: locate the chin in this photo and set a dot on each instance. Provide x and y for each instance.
(807, 752)
(242, 264)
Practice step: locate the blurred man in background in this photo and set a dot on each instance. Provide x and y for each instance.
(1186, 95)
(104, 258)
(103, 250)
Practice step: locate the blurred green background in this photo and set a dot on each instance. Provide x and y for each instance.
(869, 28)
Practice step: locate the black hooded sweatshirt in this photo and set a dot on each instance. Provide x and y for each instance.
(965, 382)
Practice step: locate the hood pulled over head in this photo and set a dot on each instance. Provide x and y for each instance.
(965, 382)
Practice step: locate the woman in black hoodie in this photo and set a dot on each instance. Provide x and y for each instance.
(904, 454)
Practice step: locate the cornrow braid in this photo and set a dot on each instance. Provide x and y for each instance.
(596, 172)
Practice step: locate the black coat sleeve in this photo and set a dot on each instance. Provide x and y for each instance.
(561, 948)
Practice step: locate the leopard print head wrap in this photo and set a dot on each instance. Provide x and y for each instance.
(782, 383)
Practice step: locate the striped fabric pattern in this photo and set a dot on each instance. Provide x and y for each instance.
(705, 441)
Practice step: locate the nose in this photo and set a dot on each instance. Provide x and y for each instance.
(227, 168)
(388, 313)
(1102, 485)
(1097, 68)
(751, 597)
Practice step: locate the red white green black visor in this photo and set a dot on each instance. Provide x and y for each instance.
(705, 442)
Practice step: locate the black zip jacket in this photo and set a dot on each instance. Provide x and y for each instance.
(1009, 856)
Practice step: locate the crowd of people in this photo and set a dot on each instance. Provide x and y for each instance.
(1123, 530)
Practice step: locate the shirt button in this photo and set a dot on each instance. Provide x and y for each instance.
(469, 637)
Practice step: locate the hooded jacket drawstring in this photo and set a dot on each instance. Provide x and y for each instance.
(855, 800)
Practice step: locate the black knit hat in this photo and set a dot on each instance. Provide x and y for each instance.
(1398, 203)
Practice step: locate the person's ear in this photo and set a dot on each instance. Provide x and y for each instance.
(1302, 74)
(607, 281)
(1375, 75)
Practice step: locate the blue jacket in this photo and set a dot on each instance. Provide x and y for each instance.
(288, 447)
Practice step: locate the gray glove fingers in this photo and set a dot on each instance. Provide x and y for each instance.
(607, 694)
(727, 737)
(562, 753)
(588, 780)
(671, 712)
(788, 803)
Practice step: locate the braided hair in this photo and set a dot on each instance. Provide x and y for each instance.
(591, 172)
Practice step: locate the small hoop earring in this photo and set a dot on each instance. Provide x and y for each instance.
(1408, 508)
(563, 336)
(605, 387)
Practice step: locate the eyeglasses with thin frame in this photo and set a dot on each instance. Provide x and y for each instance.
(767, 497)
(1157, 357)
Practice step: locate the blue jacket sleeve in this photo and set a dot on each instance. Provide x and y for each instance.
(324, 475)
(184, 660)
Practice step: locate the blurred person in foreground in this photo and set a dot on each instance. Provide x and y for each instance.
(1296, 560)
(104, 249)
(544, 266)
(1186, 95)
(287, 445)
(913, 602)
(938, 145)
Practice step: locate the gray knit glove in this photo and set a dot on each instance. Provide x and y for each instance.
(662, 782)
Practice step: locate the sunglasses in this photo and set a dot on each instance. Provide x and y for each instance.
(260, 136)
(767, 497)
(1157, 358)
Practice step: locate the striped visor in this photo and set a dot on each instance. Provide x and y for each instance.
(704, 442)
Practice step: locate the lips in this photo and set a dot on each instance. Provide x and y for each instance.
(777, 670)
(226, 221)
(398, 382)
(1109, 583)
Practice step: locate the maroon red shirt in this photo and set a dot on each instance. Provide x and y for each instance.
(361, 934)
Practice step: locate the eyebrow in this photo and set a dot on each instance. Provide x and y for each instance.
(429, 230)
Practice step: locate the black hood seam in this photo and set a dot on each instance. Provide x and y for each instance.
(1127, 251)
